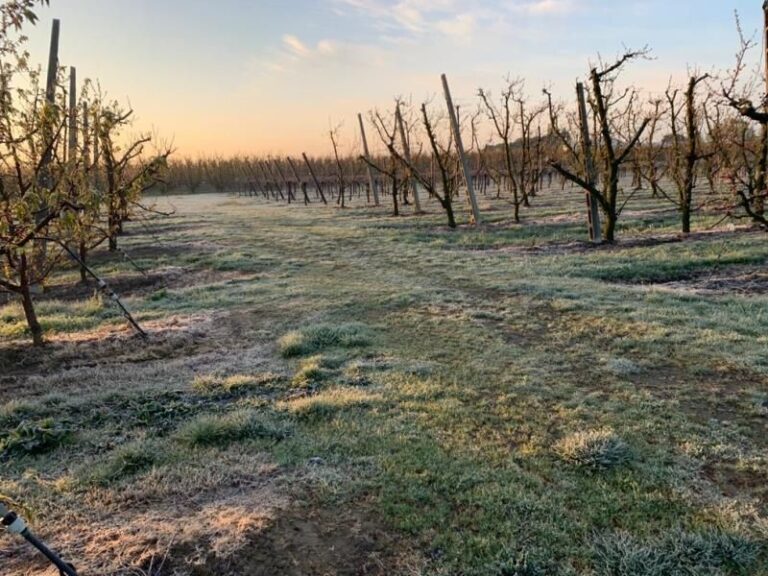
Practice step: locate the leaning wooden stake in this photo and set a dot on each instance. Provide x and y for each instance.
(269, 178)
(314, 178)
(462, 155)
(593, 213)
(287, 185)
(410, 182)
(371, 181)
(298, 180)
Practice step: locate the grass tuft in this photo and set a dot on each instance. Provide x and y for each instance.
(313, 339)
(312, 372)
(329, 403)
(712, 552)
(594, 449)
(14, 411)
(212, 384)
(33, 438)
(622, 367)
(125, 461)
(221, 430)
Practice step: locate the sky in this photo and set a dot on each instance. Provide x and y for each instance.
(221, 77)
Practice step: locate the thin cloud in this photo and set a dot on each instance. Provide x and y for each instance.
(458, 20)
(294, 52)
(545, 7)
(461, 28)
(296, 46)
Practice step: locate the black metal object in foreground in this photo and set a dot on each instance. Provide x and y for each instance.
(15, 525)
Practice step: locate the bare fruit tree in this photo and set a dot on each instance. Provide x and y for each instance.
(130, 167)
(615, 140)
(746, 156)
(442, 179)
(678, 155)
(392, 167)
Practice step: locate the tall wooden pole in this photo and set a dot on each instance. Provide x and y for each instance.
(593, 213)
(50, 100)
(761, 194)
(44, 179)
(765, 45)
(371, 180)
(86, 136)
(96, 144)
(53, 62)
(72, 144)
(462, 155)
(407, 154)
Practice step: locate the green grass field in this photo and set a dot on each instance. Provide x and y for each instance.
(343, 392)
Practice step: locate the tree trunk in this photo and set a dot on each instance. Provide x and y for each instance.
(28, 304)
(609, 227)
(449, 211)
(394, 196)
(112, 226)
(686, 218)
(83, 253)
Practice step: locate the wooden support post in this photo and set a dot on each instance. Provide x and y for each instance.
(298, 180)
(409, 180)
(96, 146)
(257, 181)
(72, 144)
(368, 157)
(53, 63)
(44, 179)
(86, 136)
(267, 184)
(761, 195)
(50, 100)
(462, 155)
(765, 45)
(285, 181)
(96, 140)
(314, 178)
(593, 213)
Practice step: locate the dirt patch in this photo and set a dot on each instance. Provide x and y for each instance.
(734, 280)
(720, 394)
(299, 543)
(735, 482)
(113, 347)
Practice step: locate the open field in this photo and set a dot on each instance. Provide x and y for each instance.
(343, 392)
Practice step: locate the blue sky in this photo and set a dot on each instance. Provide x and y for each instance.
(272, 76)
